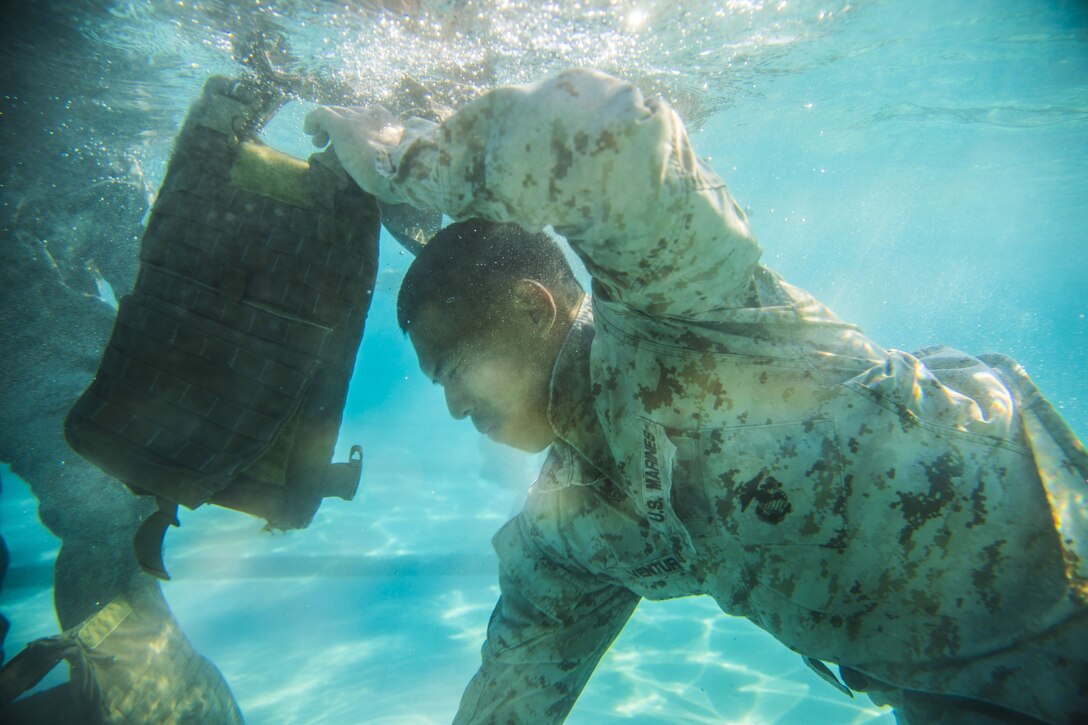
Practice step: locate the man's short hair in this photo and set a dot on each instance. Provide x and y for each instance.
(468, 266)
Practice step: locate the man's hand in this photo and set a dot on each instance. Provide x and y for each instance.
(362, 139)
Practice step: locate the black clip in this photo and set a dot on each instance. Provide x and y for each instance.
(149, 537)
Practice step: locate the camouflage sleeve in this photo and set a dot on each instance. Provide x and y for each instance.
(546, 635)
(613, 173)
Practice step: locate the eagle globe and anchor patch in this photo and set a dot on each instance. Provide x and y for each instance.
(776, 484)
(772, 504)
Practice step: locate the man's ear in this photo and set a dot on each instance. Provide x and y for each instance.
(536, 302)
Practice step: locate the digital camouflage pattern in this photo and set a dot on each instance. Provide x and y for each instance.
(918, 519)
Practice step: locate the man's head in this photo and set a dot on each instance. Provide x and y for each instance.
(487, 307)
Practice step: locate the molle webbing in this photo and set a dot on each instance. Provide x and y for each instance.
(127, 667)
(226, 373)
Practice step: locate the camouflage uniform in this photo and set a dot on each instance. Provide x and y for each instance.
(916, 518)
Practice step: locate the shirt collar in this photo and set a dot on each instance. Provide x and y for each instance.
(572, 406)
(571, 371)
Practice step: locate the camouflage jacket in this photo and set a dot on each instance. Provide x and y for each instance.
(721, 432)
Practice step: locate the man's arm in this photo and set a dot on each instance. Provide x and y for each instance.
(585, 153)
(546, 635)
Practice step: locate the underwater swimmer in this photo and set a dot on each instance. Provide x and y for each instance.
(715, 430)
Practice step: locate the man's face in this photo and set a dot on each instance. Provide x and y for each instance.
(497, 376)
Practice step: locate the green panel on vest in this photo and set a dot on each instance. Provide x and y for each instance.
(271, 173)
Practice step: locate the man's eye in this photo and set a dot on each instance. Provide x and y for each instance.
(450, 369)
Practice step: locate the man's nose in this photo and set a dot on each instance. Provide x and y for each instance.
(459, 404)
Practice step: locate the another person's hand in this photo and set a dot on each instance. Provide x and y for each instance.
(361, 138)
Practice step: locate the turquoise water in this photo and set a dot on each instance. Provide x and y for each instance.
(922, 167)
